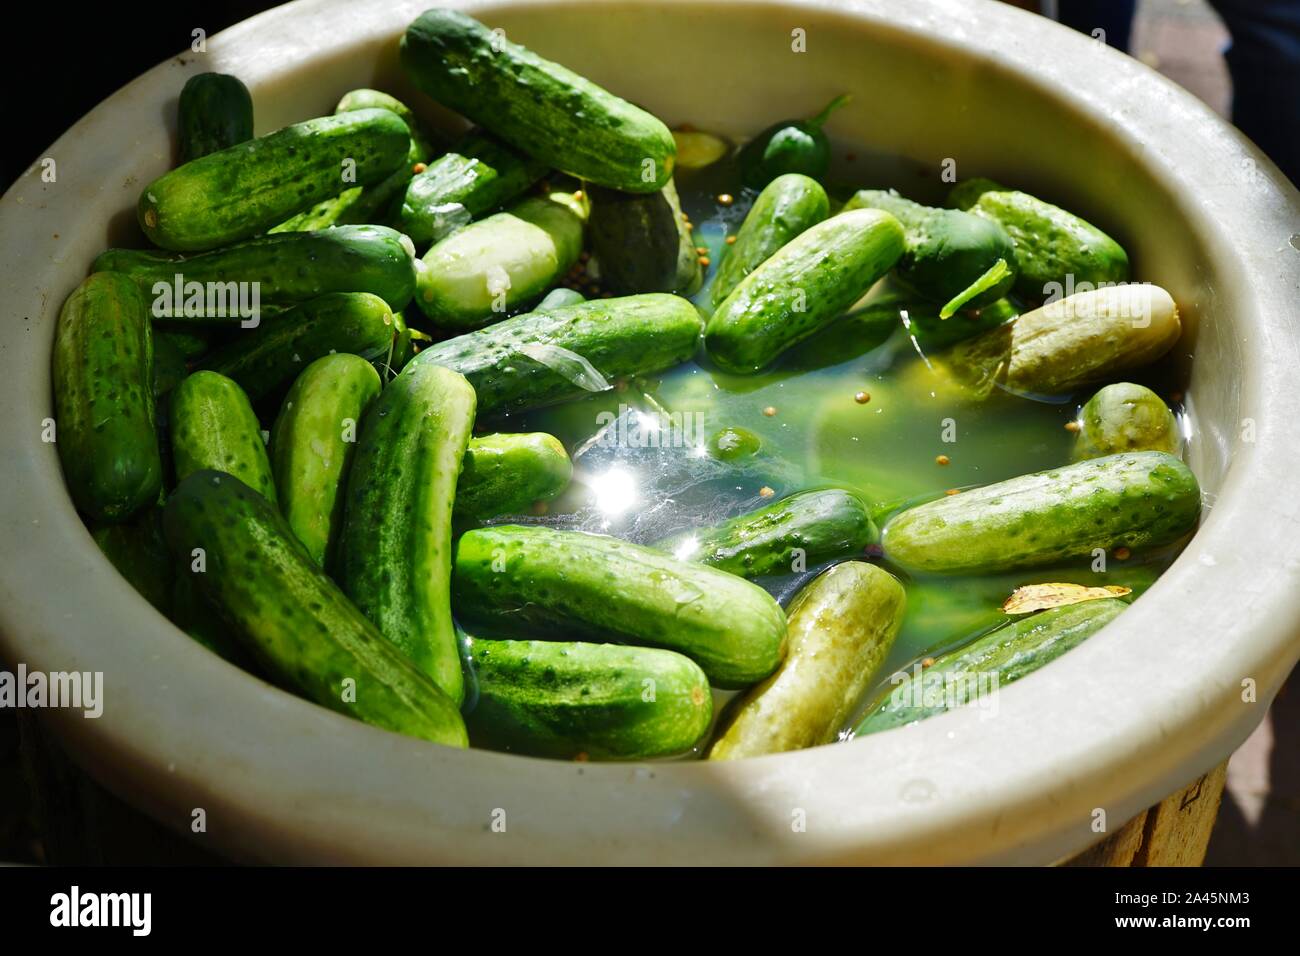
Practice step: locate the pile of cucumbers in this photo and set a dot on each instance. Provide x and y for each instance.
(280, 421)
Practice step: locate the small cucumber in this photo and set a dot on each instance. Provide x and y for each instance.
(788, 206)
(537, 106)
(956, 259)
(493, 266)
(571, 699)
(395, 553)
(805, 286)
(265, 358)
(283, 269)
(423, 145)
(507, 474)
(312, 443)
(1126, 417)
(293, 618)
(542, 358)
(841, 629)
(214, 112)
(1137, 500)
(790, 146)
(979, 669)
(139, 553)
(642, 243)
(1055, 249)
(601, 588)
(103, 399)
(214, 428)
(246, 189)
(806, 528)
(558, 298)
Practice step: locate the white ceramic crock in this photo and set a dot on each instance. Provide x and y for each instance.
(1116, 725)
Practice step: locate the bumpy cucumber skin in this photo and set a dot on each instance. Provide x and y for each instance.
(600, 588)
(537, 106)
(1135, 500)
(198, 617)
(169, 366)
(312, 443)
(801, 289)
(1125, 417)
(824, 524)
(103, 399)
(395, 553)
(642, 243)
(789, 205)
(842, 627)
(139, 553)
(264, 358)
(507, 473)
(1010, 652)
(246, 189)
(423, 147)
(213, 427)
(603, 701)
(632, 335)
(214, 112)
(1051, 243)
(289, 268)
(293, 618)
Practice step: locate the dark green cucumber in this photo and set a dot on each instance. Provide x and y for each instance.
(395, 553)
(531, 361)
(293, 618)
(494, 266)
(790, 146)
(598, 588)
(193, 613)
(238, 192)
(139, 553)
(508, 474)
(806, 528)
(842, 627)
(423, 143)
(641, 242)
(976, 671)
(190, 341)
(1056, 251)
(788, 206)
(169, 366)
(483, 174)
(214, 112)
(213, 427)
(804, 287)
(284, 269)
(312, 443)
(538, 106)
(1137, 500)
(572, 699)
(1126, 417)
(956, 259)
(264, 358)
(103, 399)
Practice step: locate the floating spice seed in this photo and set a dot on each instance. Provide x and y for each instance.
(766, 492)
(704, 260)
(942, 459)
(928, 662)
(731, 240)
(726, 199)
(769, 411)
(1122, 554)
(862, 398)
(419, 168)
(952, 491)
(1072, 426)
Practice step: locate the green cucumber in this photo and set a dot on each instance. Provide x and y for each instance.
(533, 360)
(103, 399)
(642, 243)
(169, 366)
(199, 618)
(558, 298)
(190, 341)
(139, 553)
(788, 206)
(979, 669)
(214, 428)
(538, 106)
(312, 444)
(1136, 500)
(496, 265)
(507, 474)
(263, 359)
(423, 145)
(801, 289)
(293, 618)
(283, 269)
(480, 176)
(238, 192)
(1126, 417)
(214, 112)
(1056, 251)
(790, 146)
(395, 553)
(841, 629)
(572, 699)
(601, 588)
(406, 343)
(804, 529)
(956, 259)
